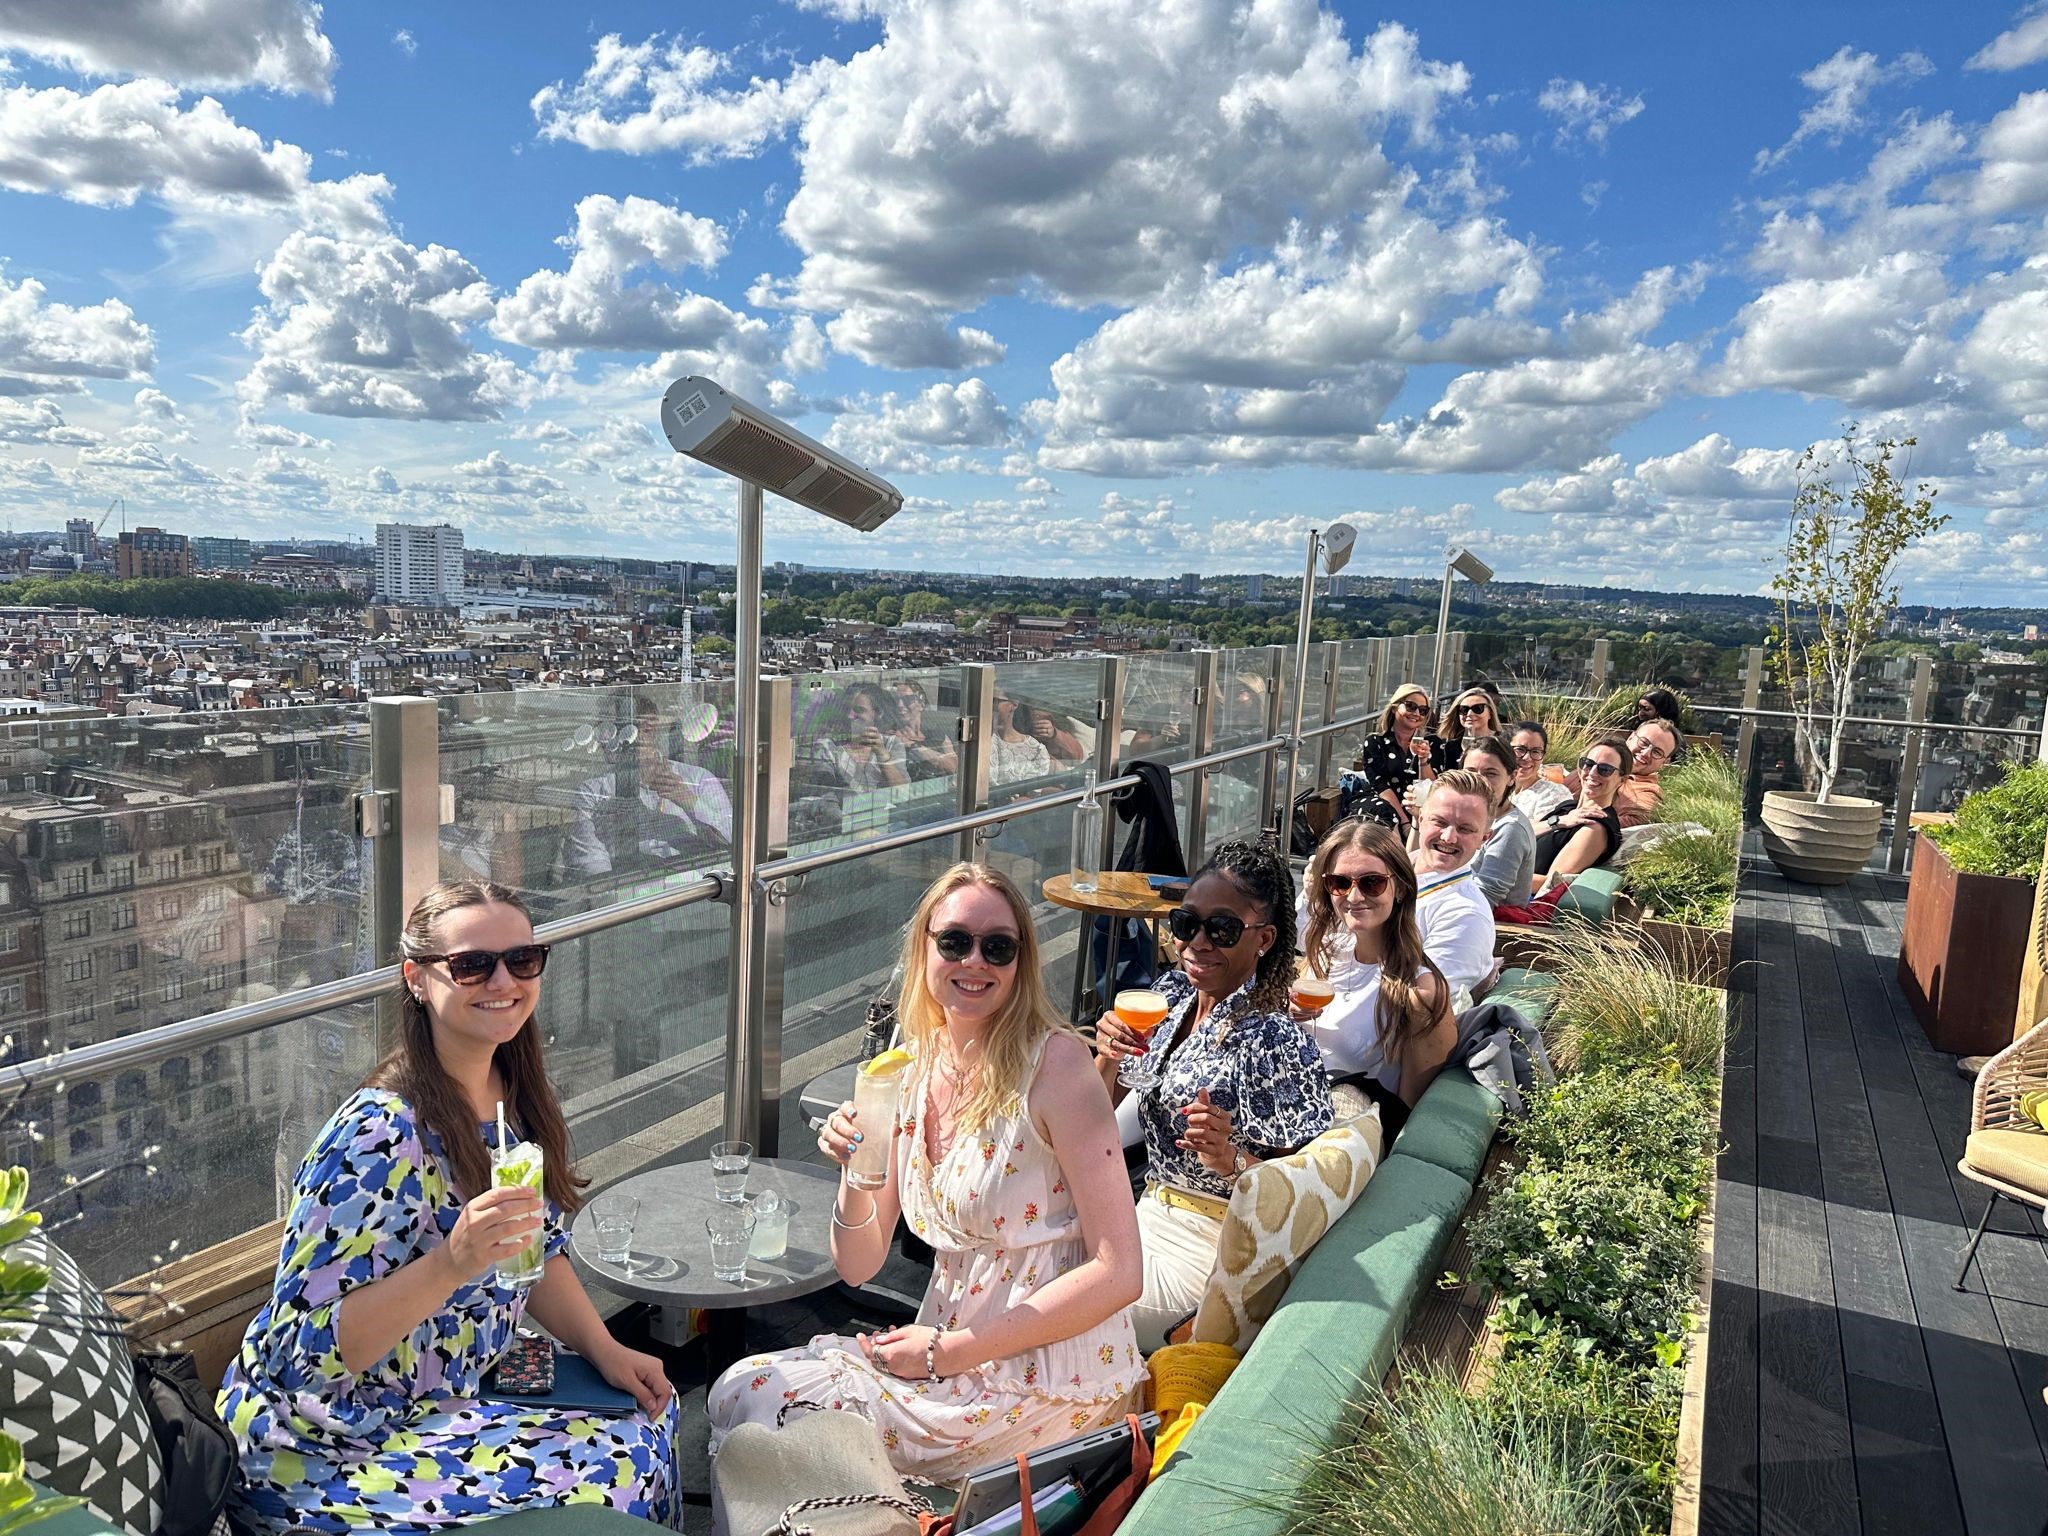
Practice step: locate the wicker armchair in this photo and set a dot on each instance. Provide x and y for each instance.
(2007, 1151)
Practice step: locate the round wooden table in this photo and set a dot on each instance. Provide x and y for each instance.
(1118, 894)
(674, 1202)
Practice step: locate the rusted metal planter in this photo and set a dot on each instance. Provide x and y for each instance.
(1964, 946)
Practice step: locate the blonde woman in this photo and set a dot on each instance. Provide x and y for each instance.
(1399, 753)
(1472, 713)
(1006, 1161)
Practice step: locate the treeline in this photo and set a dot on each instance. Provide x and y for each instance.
(169, 597)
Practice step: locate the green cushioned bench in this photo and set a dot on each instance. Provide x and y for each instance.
(1591, 895)
(1338, 1327)
(1529, 993)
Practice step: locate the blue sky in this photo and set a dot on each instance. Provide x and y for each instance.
(1104, 288)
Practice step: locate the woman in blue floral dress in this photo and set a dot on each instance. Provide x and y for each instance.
(357, 1397)
(1240, 1080)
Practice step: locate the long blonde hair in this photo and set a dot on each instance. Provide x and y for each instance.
(1407, 690)
(1018, 1028)
(1452, 726)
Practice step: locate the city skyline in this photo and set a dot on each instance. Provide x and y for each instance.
(1193, 282)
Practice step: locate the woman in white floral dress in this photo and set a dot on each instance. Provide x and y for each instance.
(1006, 1161)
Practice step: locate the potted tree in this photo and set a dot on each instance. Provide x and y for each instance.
(1851, 521)
(1968, 910)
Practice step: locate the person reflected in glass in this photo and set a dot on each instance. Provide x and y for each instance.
(1507, 859)
(1005, 1159)
(927, 754)
(1536, 793)
(1402, 751)
(1239, 1082)
(1014, 753)
(358, 1398)
(1042, 725)
(1389, 1029)
(1586, 833)
(651, 807)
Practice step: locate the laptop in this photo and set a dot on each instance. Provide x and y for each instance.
(993, 1490)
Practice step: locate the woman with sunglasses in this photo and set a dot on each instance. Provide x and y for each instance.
(1389, 1029)
(1006, 1161)
(1535, 795)
(1399, 753)
(1238, 1080)
(1472, 713)
(1507, 859)
(358, 1398)
(1585, 834)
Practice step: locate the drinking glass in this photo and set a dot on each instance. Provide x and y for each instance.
(1141, 1011)
(616, 1216)
(729, 1161)
(730, 1228)
(771, 1226)
(522, 1166)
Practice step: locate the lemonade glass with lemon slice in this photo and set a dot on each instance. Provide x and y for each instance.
(876, 1088)
(523, 1166)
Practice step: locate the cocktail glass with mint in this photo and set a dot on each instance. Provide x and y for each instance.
(523, 1166)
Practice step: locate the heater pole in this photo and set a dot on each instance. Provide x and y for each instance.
(743, 1060)
(1308, 601)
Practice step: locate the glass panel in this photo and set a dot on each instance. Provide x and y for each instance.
(1159, 701)
(1235, 789)
(856, 770)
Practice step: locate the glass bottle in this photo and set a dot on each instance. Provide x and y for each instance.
(1088, 839)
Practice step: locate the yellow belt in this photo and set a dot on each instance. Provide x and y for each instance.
(1187, 1200)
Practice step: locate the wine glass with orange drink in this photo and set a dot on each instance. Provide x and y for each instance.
(1141, 1011)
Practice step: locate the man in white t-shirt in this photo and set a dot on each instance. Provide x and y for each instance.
(1451, 908)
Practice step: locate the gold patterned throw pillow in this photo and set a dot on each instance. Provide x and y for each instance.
(1278, 1212)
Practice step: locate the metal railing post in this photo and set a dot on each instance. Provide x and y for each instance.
(753, 1060)
(1597, 664)
(401, 816)
(1909, 765)
(1332, 652)
(1273, 817)
(1202, 740)
(1109, 738)
(977, 724)
(1752, 697)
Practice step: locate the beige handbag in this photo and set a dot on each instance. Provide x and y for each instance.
(804, 1468)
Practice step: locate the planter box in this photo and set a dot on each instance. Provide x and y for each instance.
(1965, 941)
(1700, 955)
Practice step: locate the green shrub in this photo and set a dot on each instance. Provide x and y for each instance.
(1511, 1463)
(2000, 830)
(1572, 723)
(1686, 878)
(1617, 1001)
(1656, 1127)
(1588, 1251)
(1705, 788)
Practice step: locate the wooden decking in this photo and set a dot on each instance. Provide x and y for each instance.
(1850, 1389)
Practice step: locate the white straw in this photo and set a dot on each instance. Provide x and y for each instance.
(501, 1127)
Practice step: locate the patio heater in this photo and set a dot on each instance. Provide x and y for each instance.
(1333, 544)
(1475, 570)
(715, 427)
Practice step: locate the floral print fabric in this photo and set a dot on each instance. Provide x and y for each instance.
(1001, 1221)
(407, 1445)
(1261, 1067)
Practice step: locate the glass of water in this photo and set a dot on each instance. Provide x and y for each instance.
(729, 1161)
(730, 1228)
(616, 1216)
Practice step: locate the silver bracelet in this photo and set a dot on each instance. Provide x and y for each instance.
(852, 1226)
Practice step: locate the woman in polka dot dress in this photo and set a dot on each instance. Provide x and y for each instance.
(1402, 751)
(1006, 1161)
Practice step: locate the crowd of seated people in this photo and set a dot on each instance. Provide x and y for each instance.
(358, 1395)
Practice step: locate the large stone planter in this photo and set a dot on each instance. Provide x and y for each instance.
(1819, 844)
(1964, 946)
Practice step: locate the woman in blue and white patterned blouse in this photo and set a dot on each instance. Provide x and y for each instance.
(1240, 1080)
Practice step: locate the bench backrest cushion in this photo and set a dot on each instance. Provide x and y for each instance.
(1453, 1124)
(1278, 1212)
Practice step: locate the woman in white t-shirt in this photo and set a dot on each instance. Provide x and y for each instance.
(1013, 755)
(1535, 796)
(1389, 1030)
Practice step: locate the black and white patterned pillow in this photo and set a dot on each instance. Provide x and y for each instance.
(67, 1393)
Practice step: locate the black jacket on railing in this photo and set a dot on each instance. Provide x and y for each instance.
(1154, 843)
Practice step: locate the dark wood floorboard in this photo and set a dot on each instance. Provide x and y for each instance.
(1849, 1388)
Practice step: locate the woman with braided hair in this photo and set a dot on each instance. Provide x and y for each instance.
(1239, 1082)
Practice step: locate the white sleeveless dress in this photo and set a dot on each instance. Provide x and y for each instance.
(997, 1212)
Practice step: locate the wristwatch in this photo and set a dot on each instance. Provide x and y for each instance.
(1239, 1162)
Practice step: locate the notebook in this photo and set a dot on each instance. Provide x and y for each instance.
(578, 1387)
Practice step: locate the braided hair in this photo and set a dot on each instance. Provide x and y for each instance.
(1259, 871)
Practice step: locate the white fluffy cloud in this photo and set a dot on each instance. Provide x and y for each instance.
(1874, 337)
(911, 336)
(1843, 84)
(887, 434)
(207, 44)
(48, 348)
(663, 96)
(1588, 112)
(2012, 176)
(110, 146)
(2017, 47)
(40, 421)
(373, 326)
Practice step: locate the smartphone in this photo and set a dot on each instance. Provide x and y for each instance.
(527, 1369)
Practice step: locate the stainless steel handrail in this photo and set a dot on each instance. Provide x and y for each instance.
(305, 1002)
(1899, 722)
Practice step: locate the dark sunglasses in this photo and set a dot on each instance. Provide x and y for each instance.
(1411, 707)
(469, 967)
(998, 949)
(1223, 928)
(1369, 886)
(1598, 770)
(1475, 709)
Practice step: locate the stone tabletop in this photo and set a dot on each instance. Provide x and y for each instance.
(675, 1200)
